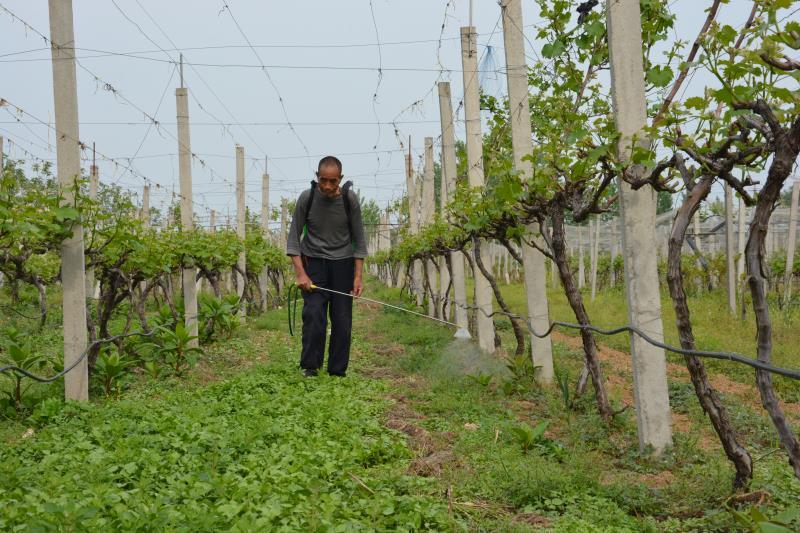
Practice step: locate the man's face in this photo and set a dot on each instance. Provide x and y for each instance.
(329, 178)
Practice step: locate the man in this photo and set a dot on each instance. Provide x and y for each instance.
(327, 247)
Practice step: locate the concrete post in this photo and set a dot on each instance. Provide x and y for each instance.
(144, 215)
(187, 218)
(444, 273)
(769, 241)
(384, 246)
(212, 221)
(449, 171)
(792, 240)
(595, 254)
(428, 211)
(73, 280)
(520, 118)
(698, 240)
(263, 279)
(729, 249)
(742, 234)
(472, 113)
(614, 250)
(92, 287)
(413, 219)
(581, 265)
(506, 267)
(284, 222)
(241, 231)
(638, 209)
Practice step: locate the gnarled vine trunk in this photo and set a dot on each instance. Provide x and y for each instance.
(518, 334)
(575, 299)
(708, 397)
(787, 149)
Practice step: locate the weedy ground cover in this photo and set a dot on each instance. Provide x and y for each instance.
(418, 436)
(520, 457)
(263, 449)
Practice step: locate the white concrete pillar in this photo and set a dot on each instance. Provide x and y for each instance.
(638, 209)
(428, 212)
(284, 222)
(263, 278)
(144, 215)
(449, 171)
(742, 238)
(770, 239)
(729, 250)
(520, 119)
(187, 219)
(698, 240)
(472, 113)
(68, 169)
(444, 272)
(504, 257)
(92, 287)
(581, 261)
(614, 250)
(791, 241)
(595, 254)
(413, 221)
(241, 230)
(212, 221)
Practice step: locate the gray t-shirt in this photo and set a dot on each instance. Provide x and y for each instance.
(328, 234)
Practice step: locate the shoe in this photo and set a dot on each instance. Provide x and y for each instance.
(338, 375)
(309, 372)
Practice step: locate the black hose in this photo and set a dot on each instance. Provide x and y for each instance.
(294, 290)
(725, 356)
(76, 362)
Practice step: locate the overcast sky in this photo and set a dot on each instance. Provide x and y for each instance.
(321, 56)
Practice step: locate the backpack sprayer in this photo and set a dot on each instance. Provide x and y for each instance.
(461, 333)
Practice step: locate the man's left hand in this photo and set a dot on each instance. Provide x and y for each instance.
(358, 287)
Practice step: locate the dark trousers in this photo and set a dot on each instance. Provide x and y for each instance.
(336, 275)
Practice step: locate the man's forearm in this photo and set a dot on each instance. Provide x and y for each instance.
(297, 263)
(359, 267)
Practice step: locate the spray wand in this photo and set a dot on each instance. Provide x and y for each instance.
(461, 333)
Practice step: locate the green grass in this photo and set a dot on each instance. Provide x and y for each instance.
(593, 478)
(243, 442)
(265, 449)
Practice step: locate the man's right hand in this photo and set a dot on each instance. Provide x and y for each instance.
(304, 282)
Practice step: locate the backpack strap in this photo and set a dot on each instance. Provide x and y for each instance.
(311, 197)
(347, 207)
(304, 230)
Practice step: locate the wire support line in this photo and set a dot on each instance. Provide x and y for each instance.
(228, 124)
(264, 68)
(627, 328)
(257, 46)
(205, 83)
(261, 66)
(83, 146)
(116, 92)
(150, 125)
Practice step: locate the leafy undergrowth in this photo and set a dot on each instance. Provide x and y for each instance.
(266, 449)
(424, 433)
(518, 458)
